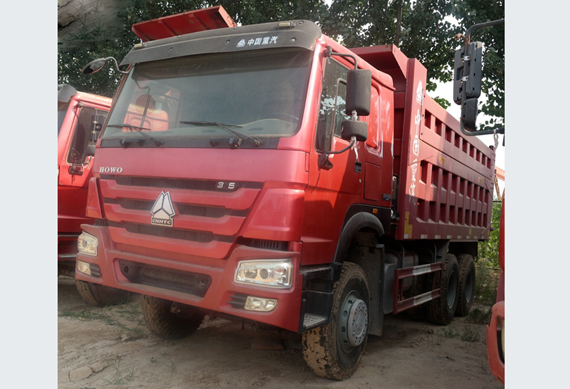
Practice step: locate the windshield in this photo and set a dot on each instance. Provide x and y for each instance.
(61, 111)
(211, 101)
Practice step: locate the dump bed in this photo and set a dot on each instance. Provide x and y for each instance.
(445, 179)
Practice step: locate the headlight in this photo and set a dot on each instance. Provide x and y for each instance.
(87, 244)
(272, 273)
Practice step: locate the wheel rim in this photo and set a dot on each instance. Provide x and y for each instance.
(452, 291)
(353, 322)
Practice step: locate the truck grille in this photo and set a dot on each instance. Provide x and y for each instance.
(207, 215)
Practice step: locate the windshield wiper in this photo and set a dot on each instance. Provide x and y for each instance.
(125, 143)
(255, 141)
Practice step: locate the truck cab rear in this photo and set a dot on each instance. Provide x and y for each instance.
(249, 172)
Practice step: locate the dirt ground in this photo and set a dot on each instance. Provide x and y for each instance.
(111, 346)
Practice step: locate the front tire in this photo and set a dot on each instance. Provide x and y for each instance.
(100, 295)
(442, 309)
(169, 320)
(335, 349)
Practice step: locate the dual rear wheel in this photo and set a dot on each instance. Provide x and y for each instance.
(457, 290)
(466, 284)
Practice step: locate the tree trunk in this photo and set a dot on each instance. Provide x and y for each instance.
(398, 24)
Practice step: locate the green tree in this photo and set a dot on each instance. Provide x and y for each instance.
(490, 250)
(419, 28)
(94, 42)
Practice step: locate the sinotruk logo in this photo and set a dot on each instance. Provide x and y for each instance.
(162, 211)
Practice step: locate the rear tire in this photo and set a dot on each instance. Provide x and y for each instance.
(335, 349)
(442, 309)
(466, 284)
(101, 295)
(162, 321)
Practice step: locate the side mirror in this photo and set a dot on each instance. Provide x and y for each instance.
(97, 64)
(358, 89)
(468, 72)
(469, 114)
(94, 66)
(467, 82)
(76, 170)
(474, 74)
(90, 150)
(354, 128)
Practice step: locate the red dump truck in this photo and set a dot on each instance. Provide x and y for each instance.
(269, 174)
(80, 119)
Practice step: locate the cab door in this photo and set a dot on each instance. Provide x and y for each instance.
(335, 180)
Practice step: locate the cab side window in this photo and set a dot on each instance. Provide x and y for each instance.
(86, 132)
(333, 103)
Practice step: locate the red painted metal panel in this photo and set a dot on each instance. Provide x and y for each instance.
(93, 208)
(493, 352)
(226, 225)
(213, 249)
(410, 162)
(183, 23)
(240, 199)
(276, 210)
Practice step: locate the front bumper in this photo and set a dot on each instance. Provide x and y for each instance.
(207, 283)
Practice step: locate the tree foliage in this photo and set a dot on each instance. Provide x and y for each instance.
(418, 28)
(490, 250)
(421, 29)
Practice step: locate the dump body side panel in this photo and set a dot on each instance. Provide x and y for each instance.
(454, 191)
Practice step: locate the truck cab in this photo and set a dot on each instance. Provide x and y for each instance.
(80, 119)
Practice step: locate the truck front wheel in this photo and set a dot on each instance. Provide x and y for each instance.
(170, 320)
(335, 349)
(100, 295)
(442, 309)
(466, 284)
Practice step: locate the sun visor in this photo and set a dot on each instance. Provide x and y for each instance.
(299, 33)
(183, 23)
